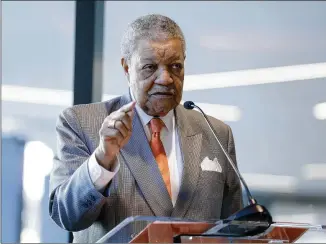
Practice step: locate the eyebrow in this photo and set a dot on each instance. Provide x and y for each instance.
(174, 57)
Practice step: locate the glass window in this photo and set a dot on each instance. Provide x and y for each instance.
(37, 74)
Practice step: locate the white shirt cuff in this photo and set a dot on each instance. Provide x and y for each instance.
(99, 175)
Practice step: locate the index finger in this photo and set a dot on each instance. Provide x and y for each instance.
(128, 107)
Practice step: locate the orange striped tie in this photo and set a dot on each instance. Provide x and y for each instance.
(156, 144)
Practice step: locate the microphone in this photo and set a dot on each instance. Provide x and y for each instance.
(253, 212)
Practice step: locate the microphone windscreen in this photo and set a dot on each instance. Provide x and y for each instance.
(189, 105)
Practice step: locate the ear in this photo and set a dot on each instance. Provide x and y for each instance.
(125, 67)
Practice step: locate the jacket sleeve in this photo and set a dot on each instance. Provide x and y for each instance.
(232, 196)
(74, 202)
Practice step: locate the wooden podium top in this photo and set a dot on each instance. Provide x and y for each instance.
(163, 232)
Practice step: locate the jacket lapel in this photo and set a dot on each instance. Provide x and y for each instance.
(139, 158)
(190, 143)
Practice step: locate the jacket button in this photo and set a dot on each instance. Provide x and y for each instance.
(89, 203)
(84, 205)
(92, 198)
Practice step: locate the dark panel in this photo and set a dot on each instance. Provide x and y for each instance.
(11, 188)
(88, 51)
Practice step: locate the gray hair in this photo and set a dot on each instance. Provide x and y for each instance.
(149, 27)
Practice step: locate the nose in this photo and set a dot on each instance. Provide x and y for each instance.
(164, 77)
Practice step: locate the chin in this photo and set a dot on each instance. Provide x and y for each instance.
(158, 111)
(165, 111)
(160, 107)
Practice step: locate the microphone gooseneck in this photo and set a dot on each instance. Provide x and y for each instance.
(254, 211)
(190, 105)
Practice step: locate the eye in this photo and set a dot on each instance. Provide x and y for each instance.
(149, 67)
(177, 66)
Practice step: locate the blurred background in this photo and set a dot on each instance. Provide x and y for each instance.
(258, 66)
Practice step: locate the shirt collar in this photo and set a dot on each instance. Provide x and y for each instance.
(145, 118)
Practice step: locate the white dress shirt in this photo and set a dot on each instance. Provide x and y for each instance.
(170, 139)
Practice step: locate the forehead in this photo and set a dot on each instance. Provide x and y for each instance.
(159, 50)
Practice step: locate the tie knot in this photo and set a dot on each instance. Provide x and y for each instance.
(156, 125)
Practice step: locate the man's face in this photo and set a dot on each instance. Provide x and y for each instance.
(155, 73)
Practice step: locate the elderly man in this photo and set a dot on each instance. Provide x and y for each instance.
(141, 153)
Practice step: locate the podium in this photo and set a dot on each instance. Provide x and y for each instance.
(142, 229)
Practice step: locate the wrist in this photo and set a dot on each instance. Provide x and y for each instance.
(106, 161)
